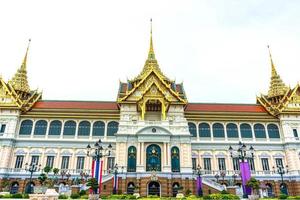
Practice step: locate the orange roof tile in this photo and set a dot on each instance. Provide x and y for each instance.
(76, 105)
(225, 107)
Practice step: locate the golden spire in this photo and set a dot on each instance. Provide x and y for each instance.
(19, 80)
(151, 54)
(151, 62)
(277, 86)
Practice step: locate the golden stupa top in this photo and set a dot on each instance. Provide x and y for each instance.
(151, 63)
(277, 86)
(19, 80)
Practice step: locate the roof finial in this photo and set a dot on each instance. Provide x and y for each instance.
(274, 72)
(277, 86)
(151, 54)
(24, 63)
(19, 80)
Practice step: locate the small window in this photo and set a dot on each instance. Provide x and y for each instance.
(35, 160)
(98, 128)
(50, 161)
(207, 164)
(40, 127)
(295, 133)
(259, 131)
(194, 163)
(236, 163)
(265, 164)
(65, 162)
(80, 162)
(55, 127)
(221, 162)
(19, 162)
(2, 129)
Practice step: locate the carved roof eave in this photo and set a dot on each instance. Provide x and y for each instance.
(160, 90)
(161, 79)
(23, 105)
(284, 108)
(272, 110)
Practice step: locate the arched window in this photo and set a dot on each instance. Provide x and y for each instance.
(112, 128)
(218, 130)
(131, 164)
(98, 128)
(175, 159)
(246, 131)
(192, 129)
(40, 127)
(259, 131)
(70, 128)
(232, 130)
(26, 127)
(84, 128)
(55, 127)
(273, 131)
(204, 130)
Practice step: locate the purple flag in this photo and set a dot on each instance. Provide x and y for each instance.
(199, 186)
(245, 175)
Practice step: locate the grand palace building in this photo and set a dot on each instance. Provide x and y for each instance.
(158, 138)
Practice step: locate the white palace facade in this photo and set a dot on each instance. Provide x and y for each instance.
(157, 136)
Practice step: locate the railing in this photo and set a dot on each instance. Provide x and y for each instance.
(213, 184)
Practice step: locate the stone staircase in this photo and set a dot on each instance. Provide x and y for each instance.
(213, 184)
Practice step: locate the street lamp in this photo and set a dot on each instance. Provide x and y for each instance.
(217, 176)
(198, 172)
(33, 167)
(97, 153)
(115, 172)
(242, 155)
(281, 170)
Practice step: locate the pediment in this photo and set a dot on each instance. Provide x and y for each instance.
(152, 85)
(153, 130)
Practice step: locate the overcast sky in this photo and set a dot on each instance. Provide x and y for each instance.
(218, 49)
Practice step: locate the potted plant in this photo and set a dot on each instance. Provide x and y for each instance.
(254, 185)
(93, 184)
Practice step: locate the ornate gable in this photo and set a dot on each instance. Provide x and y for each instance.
(280, 98)
(16, 92)
(151, 88)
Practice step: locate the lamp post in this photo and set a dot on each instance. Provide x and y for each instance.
(217, 176)
(223, 174)
(33, 167)
(281, 170)
(97, 153)
(234, 176)
(115, 172)
(242, 154)
(198, 172)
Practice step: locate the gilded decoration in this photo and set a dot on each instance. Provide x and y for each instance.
(150, 86)
(18, 90)
(280, 98)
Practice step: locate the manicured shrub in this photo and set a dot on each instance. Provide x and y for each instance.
(85, 197)
(293, 197)
(82, 192)
(25, 196)
(75, 196)
(220, 196)
(62, 196)
(17, 196)
(283, 196)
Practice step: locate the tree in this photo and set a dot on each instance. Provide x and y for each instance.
(93, 184)
(42, 178)
(47, 169)
(55, 171)
(253, 184)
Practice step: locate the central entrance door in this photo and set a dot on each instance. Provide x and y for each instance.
(153, 154)
(154, 188)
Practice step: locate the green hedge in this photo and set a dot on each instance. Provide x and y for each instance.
(220, 196)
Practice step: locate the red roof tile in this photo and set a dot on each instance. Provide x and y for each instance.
(225, 108)
(76, 105)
